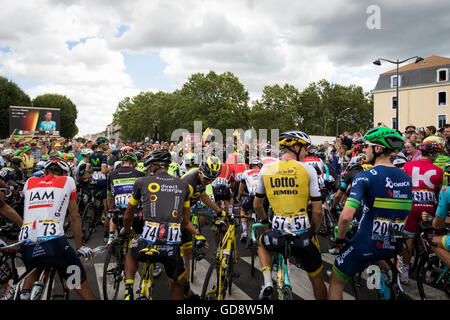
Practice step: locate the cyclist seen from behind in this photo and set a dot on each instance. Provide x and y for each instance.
(289, 184)
(386, 195)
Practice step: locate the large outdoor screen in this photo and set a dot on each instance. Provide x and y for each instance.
(30, 120)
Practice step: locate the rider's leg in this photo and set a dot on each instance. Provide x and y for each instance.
(319, 288)
(337, 285)
(85, 292)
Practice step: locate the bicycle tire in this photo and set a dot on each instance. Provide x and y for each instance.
(53, 294)
(193, 259)
(286, 293)
(230, 268)
(210, 280)
(86, 222)
(113, 273)
(421, 273)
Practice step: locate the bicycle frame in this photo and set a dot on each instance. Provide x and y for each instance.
(146, 285)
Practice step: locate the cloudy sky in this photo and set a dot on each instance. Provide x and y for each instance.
(96, 52)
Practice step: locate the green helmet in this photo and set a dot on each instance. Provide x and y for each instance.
(386, 137)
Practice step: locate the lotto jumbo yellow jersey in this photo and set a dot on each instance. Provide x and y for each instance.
(288, 184)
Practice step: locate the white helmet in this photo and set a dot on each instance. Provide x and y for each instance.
(86, 152)
(256, 161)
(8, 152)
(60, 162)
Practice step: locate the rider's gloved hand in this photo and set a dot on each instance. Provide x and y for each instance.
(123, 234)
(200, 241)
(85, 251)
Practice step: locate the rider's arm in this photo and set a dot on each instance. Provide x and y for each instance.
(75, 222)
(242, 188)
(10, 213)
(316, 199)
(208, 201)
(442, 209)
(259, 207)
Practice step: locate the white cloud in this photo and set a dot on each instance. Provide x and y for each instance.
(261, 41)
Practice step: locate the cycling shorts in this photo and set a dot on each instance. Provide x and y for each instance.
(356, 255)
(138, 222)
(56, 253)
(170, 257)
(305, 248)
(415, 217)
(247, 204)
(222, 193)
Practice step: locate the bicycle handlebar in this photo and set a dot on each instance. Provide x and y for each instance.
(255, 226)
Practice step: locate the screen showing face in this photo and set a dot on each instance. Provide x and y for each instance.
(28, 120)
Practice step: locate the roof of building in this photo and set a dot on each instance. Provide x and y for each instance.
(428, 62)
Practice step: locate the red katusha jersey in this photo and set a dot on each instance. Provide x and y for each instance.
(45, 207)
(426, 180)
(251, 178)
(226, 176)
(238, 170)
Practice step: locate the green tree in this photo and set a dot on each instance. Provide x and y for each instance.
(10, 95)
(68, 113)
(277, 108)
(220, 101)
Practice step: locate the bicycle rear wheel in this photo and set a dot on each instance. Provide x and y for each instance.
(112, 271)
(56, 290)
(86, 222)
(210, 290)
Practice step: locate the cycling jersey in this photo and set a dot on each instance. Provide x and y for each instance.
(251, 179)
(386, 196)
(443, 212)
(288, 185)
(120, 185)
(350, 176)
(238, 170)
(196, 187)
(226, 176)
(45, 207)
(426, 182)
(11, 173)
(97, 159)
(174, 170)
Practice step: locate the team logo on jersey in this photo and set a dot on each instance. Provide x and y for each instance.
(153, 187)
(153, 198)
(175, 213)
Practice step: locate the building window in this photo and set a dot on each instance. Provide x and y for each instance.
(442, 99)
(394, 123)
(394, 102)
(394, 81)
(442, 120)
(442, 75)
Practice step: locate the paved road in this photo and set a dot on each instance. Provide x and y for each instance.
(245, 286)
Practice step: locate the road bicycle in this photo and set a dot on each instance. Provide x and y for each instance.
(219, 277)
(55, 287)
(114, 265)
(280, 265)
(92, 215)
(430, 269)
(197, 253)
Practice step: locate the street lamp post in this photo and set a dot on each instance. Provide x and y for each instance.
(378, 63)
(337, 120)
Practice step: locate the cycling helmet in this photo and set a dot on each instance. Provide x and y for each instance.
(138, 155)
(101, 140)
(430, 147)
(39, 166)
(312, 150)
(211, 167)
(322, 156)
(86, 152)
(385, 137)
(70, 156)
(398, 160)
(256, 161)
(267, 149)
(16, 160)
(8, 152)
(190, 159)
(447, 169)
(437, 139)
(358, 140)
(161, 156)
(361, 158)
(59, 162)
(45, 157)
(293, 137)
(130, 155)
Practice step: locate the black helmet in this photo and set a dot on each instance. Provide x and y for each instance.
(160, 155)
(131, 156)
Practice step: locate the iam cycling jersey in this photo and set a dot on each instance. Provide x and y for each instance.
(426, 181)
(288, 185)
(46, 202)
(163, 198)
(443, 212)
(251, 178)
(386, 196)
(120, 185)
